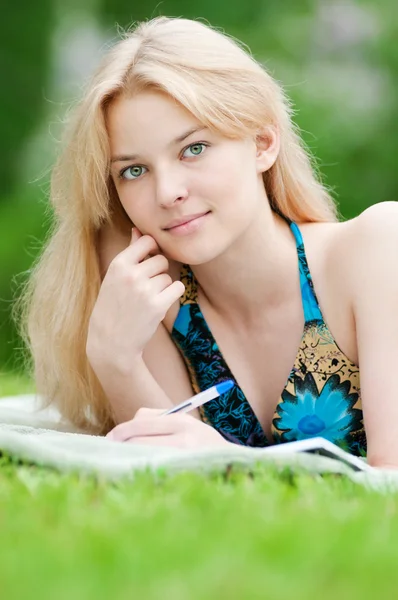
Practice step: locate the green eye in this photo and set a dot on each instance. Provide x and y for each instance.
(132, 172)
(194, 150)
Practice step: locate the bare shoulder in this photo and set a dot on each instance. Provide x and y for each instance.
(344, 259)
(370, 239)
(377, 221)
(380, 210)
(341, 245)
(362, 247)
(373, 244)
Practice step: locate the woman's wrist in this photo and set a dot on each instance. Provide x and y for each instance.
(104, 366)
(131, 387)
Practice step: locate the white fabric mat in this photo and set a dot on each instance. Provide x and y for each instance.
(42, 437)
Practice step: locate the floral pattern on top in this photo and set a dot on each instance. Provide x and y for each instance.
(328, 412)
(321, 397)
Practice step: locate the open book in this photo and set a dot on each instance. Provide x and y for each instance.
(41, 437)
(319, 445)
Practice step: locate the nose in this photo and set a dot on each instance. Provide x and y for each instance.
(170, 188)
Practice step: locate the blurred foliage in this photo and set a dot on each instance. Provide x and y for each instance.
(219, 14)
(25, 35)
(24, 223)
(338, 61)
(25, 58)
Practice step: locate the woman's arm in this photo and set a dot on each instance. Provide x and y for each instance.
(373, 267)
(160, 379)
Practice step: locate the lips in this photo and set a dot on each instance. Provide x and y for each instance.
(183, 220)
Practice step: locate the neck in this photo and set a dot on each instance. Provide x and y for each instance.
(258, 273)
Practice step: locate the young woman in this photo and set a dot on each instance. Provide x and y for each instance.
(193, 243)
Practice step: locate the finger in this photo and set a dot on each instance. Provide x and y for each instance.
(160, 283)
(139, 249)
(142, 427)
(135, 235)
(141, 413)
(154, 265)
(149, 412)
(169, 441)
(171, 294)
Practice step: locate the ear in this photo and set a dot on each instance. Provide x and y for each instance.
(267, 148)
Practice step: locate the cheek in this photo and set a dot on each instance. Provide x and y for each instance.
(136, 205)
(218, 183)
(233, 185)
(235, 171)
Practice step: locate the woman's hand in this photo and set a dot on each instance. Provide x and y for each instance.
(135, 295)
(151, 427)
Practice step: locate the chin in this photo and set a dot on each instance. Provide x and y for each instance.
(192, 256)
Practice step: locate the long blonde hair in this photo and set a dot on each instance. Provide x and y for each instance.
(212, 76)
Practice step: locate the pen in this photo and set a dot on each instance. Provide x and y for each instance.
(201, 398)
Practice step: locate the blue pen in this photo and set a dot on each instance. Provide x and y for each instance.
(201, 398)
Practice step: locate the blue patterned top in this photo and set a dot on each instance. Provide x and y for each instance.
(322, 394)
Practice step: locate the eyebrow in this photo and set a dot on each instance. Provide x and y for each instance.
(177, 140)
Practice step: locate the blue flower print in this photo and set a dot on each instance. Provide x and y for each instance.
(328, 413)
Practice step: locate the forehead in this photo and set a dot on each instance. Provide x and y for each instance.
(146, 119)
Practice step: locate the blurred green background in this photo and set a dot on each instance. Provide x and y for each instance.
(338, 61)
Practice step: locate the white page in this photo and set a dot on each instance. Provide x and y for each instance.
(321, 446)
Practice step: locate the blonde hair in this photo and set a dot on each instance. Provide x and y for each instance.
(212, 76)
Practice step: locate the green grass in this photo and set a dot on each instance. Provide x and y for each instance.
(236, 535)
(12, 384)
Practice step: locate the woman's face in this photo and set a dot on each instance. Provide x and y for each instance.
(169, 169)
